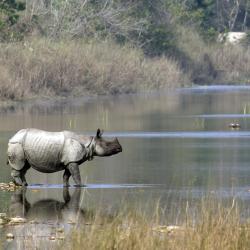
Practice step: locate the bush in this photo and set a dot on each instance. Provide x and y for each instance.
(41, 67)
(9, 15)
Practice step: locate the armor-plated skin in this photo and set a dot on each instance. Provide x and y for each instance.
(50, 152)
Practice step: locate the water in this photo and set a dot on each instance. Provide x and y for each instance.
(177, 147)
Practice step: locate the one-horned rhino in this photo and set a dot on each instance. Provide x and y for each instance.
(50, 152)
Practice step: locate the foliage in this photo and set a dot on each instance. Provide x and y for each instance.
(70, 68)
(210, 17)
(181, 31)
(147, 24)
(9, 15)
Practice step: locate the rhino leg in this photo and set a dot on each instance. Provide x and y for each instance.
(75, 172)
(66, 176)
(23, 172)
(19, 175)
(23, 179)
(16, 161)
(16, 175)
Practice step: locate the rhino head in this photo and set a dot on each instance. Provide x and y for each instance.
(104, 147)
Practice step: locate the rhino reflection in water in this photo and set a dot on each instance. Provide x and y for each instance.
(48, 215)
(48, 209)
(50, 152)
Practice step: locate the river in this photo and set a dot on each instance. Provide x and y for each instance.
(177, 148)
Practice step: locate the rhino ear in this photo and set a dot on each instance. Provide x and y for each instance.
(99, 133)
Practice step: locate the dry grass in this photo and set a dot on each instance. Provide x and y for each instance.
(40, 67)
(232, 63)
(215, 227)
(44, 68)
(215, 62)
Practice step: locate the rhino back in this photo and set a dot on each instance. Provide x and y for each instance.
(43, 150)
(18, 137)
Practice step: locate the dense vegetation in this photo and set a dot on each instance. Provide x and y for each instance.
(175, 34)
(218, 227)
(148, 24)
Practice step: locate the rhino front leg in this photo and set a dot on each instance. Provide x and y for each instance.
(16, 175)
(66, 176)
(75, 172)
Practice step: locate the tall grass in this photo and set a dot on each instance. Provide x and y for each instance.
(214, 227)
(232, 63)
(45, 68)
(212, 62)
(41, 67)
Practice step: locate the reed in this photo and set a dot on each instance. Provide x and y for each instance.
(215, 226)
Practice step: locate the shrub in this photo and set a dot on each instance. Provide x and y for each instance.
(41, 67)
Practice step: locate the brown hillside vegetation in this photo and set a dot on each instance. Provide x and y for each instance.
(45, 68)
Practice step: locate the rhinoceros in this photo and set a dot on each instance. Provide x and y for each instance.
(50, 152)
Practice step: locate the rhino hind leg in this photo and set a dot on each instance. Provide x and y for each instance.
(16, 161)
(23, 173)
(16, 175)
(19, 176)
(75, 172)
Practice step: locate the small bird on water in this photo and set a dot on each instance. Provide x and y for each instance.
(234, 125)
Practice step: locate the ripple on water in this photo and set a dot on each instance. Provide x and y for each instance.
(182, 134)
(96, 186)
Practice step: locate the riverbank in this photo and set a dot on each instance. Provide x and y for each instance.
(41, 68)
(216, 227)
(74, 49)
(209, 224)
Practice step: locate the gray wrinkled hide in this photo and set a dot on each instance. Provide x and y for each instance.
(45, 151)
(50, 152)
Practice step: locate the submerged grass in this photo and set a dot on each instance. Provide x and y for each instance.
(64, 68)
(213, 227)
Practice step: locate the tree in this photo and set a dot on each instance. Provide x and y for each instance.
(9, 15)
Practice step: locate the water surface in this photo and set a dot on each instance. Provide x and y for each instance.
(177, 147)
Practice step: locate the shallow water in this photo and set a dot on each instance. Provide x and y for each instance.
(177, 147)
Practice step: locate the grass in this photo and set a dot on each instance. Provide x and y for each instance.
(69, 68)
(232, 63)
(213, 227)
(43, 68)
(210, 63)
(208, 224)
